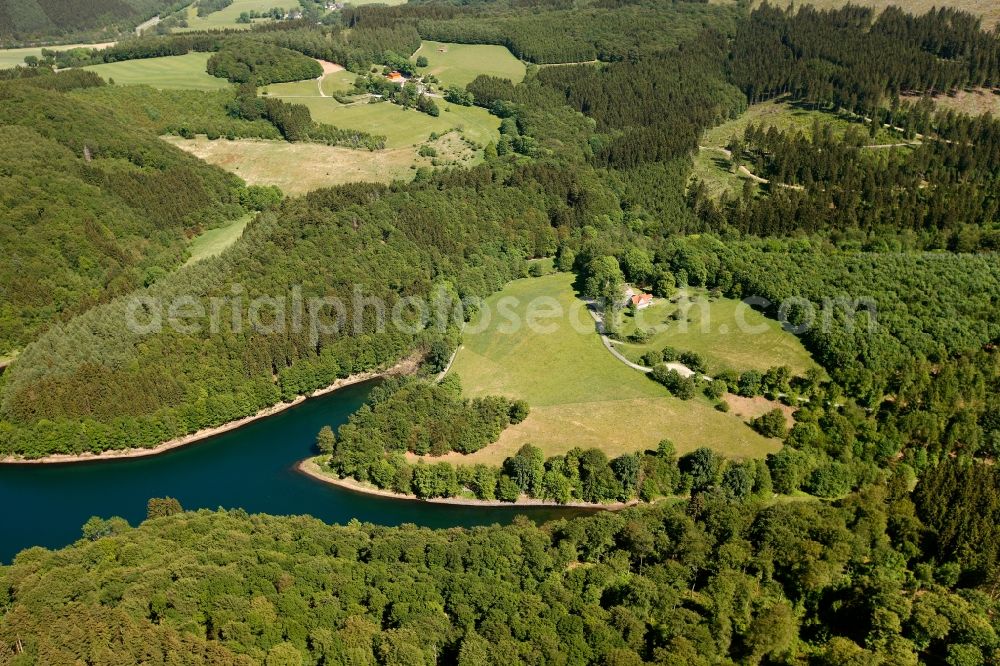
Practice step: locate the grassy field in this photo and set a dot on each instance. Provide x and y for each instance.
(579, 394)
(786, 117)
(988, 9)
(214, 241)
(14, 57)
(458, 64)
(715, 170)
(405, 127)
(226, 18)
(298, 168)
(973, 102)
(185, 72)
(336, 82)
(727, 333)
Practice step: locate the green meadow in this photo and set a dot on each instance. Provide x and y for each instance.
(458, 64)
(729, 334)
(580, 395)
(184, 72)
(212, 242)
(341, 81)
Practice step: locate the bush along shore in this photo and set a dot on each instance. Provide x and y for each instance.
(382, 450)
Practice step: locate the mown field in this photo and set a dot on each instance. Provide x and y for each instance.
(459, 64)
(341, 81)
(15, 57)
(580, 395)
(729, 334)
(212, 242)
(298, 168)
(184, 72)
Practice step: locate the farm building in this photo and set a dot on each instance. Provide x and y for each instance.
(642, 301)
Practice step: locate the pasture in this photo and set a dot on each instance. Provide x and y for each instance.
(14, 57)
(729, 334)
(212, 242)
(580, 395)
(184, 72)
(459, 64)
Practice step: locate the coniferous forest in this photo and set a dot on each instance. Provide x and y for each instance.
(869, 538)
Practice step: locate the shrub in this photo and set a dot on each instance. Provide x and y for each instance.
(771, 424)
(519, 411)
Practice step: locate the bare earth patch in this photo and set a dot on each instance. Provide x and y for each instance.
(330, 67)
(751, 408)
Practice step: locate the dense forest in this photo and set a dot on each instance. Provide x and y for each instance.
(862, 580)
(247, 61)
(555, 31)
(93, 208)
(838, 57)
(48, 21)
(473, 234)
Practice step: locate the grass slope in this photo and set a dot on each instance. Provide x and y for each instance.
(459, 64)
(727, 333)
(185, 72)
(341, 81)
(212, 242)
(579, 394)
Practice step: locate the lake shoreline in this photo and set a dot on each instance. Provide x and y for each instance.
(406, 366)
(310, 468)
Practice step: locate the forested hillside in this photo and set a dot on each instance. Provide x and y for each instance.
(48, 21)
(92, 208)
(555, 32)
(702, 582)
(473, 234)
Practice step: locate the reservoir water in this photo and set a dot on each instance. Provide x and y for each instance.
(251, 468)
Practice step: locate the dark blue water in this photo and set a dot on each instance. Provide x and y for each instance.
(251, 468)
